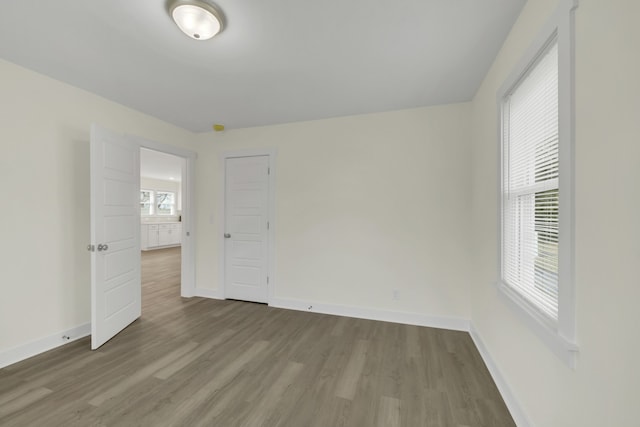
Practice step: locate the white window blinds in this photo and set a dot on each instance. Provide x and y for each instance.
(530, 184)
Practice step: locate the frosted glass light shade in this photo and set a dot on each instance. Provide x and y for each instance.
(198, 20)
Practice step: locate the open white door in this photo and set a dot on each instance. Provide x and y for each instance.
(115, 234)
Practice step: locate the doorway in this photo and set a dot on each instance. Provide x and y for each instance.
(115, 229)
(184, 208)
(161, 209)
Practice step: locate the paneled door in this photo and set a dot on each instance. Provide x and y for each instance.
(115, 234)
(246, 228)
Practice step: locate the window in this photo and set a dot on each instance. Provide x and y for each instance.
(145, 202)
(536, 186)
(530, 193)
(165, 203)
(153, 202)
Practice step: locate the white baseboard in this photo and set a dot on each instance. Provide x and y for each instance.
(517, 412)
(207, 293)
(25, 351)
(454, 323)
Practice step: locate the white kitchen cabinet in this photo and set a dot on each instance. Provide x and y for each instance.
(176, 237)
(153, 235)
(164, 234)
(160, 235)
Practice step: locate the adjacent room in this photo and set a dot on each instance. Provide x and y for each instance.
(161, 177)
(418, 213)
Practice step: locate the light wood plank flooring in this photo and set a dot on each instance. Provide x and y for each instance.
(201, 362)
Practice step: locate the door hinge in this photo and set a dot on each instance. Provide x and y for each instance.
(267, 225)
(91, 248)
(267, 280)
(268, 171)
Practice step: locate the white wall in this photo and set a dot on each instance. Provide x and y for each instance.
(603, 390)
(44, 138)
(364, 205)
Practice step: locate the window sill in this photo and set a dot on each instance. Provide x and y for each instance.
(544, 327)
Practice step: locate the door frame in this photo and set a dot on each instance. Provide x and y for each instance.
(188, 269)
(272, 153)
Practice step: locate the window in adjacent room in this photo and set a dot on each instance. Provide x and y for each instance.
(165, 203)
(145, 202)
(156, 202)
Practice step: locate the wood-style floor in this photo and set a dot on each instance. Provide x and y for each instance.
(202, 362)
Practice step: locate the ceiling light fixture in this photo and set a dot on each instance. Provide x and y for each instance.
(196, 18)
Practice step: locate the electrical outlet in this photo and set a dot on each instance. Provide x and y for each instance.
(396, 294)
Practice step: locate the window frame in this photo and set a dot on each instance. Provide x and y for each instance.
(153, 208)
(560, 335)
(151, 202)
(172, 211)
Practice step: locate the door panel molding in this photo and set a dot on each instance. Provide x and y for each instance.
(271, 153)
(115, 266)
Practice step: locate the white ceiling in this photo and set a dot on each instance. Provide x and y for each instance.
(157, 165)
(276, 61)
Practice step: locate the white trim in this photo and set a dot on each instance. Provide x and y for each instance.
(566, 350)
(566, 112)
(561, 21)
(272, 153)
(559, 336)
(35, 347)
(517, 412)
(207, 293)
(188, 269)
(407, 318)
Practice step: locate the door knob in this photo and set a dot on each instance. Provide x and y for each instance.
(227, 235)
